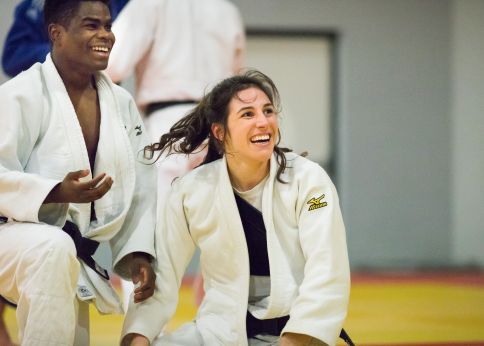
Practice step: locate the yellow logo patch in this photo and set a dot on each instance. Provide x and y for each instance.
(316, 203)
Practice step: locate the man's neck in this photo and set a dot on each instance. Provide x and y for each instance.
(74, 79)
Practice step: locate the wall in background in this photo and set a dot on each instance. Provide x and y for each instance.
(408, 100)
(467, 195)
(409, 187)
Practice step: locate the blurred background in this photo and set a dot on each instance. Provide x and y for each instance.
(404, 112)
(388, 96)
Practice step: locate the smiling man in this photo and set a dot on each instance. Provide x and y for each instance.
(70, 178)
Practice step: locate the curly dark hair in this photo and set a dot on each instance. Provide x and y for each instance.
(191, 132)
(62, 11)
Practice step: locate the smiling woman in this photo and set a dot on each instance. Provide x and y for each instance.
(251, 135)
(237, 118)
(275, 268)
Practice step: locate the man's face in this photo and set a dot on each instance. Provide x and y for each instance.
(87, 41)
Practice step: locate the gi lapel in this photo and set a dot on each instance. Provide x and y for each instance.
(115, 157)
(62, 112)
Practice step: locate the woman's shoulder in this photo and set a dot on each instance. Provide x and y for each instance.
(204, 176)
(300, 170)
(298, 163)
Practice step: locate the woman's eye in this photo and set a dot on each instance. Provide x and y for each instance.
(247, 114)
(269, 111)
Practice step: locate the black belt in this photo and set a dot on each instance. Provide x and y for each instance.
(274, 326)
(8, 302)
(85, 248)
(156, 106)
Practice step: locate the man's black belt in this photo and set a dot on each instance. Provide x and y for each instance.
(8, 302)
(85, 248)
(156, 106)
(274, 326)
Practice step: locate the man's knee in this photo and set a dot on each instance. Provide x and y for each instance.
(53, 252)
(58, 242)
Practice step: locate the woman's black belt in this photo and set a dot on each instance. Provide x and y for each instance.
(272, 326)
(156, 106)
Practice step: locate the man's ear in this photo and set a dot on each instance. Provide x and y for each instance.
(218, 131)
(55, 32)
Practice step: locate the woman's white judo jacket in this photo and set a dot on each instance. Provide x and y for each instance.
(42, 141)
(307, 254)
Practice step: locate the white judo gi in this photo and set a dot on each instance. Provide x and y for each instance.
(307, 256)
(41, 142)
(178, 50)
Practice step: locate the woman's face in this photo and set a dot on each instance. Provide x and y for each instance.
(252, 127)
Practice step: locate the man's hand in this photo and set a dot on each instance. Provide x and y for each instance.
(135, 340)
(143, 276)
(71, 190)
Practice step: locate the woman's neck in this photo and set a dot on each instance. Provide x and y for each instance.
(243, 176)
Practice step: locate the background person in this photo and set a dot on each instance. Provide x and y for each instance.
(177, 49)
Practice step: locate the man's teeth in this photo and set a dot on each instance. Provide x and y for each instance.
(101, 49)
(261, 138)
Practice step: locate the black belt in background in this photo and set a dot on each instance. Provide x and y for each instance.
(156, 106)
(85, 248)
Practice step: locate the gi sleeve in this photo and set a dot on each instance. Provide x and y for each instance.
(22, 193)
(321, 305)
(134, 29)
(174, 250)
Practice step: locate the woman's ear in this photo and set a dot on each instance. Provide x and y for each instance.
(218, 132)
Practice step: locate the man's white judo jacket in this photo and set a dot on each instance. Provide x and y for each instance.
(41, 141)
(307, 254)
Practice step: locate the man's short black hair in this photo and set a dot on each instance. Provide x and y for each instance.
(62, 11)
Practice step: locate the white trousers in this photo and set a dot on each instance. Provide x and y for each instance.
(39, 272)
